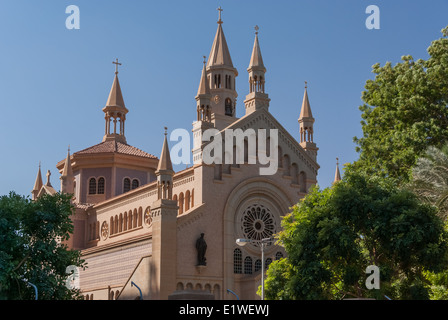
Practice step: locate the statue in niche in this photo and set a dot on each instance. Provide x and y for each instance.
(201, 247)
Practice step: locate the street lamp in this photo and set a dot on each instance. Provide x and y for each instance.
(242, 242)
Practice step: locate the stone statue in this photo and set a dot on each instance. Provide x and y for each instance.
(201, 247)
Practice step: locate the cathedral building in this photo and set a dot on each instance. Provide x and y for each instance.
(146, 231)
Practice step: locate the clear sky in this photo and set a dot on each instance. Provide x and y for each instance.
(55, 81)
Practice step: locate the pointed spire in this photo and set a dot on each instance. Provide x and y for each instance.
(219, 54)
(337, 175)
(306, 108)
(115, 96)
(67, 178)
(37, 184)
(165, 158)
(67, 171)
(256, 60)
(204, 87)
(115, 111)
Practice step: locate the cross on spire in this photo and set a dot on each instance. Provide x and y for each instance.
(116, 63)
(220, 10)
(306, 84)
(256, 29)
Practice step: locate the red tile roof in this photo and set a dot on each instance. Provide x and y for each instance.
(117, 147)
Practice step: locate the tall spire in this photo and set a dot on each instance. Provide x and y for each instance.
(219, 54)
(165, 172)
(37, 184)
(203, 97)
(257, 98)
(306, 108)
(221, 75)
(306, 123)
(256, 60)
(204, 87)
(115, 111)
(337, 174)
(165, 158)
(67, 178)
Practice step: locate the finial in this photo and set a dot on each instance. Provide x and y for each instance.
(68, 148)
(337, 161)
(256, 29)
(116, 63)
(306, 84)
(165, 131)
(39, 165)
(204, 59)
(220, 10)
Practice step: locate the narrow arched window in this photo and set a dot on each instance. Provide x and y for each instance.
(92, 186)
(237, 261)
(257, 265)
(126, 185)
(228, 107)
(248, 265)
(101, 183)
(135, 184)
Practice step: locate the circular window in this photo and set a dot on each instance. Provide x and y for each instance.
(104, 230)
(148, 217)
(257, 223)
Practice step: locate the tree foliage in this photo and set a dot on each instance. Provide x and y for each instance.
(430, 179)
(404, 112)
(32, 249)
(332, 235)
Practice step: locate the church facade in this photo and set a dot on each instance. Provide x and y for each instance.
(147, 231)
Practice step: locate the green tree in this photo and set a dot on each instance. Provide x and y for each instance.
(404, 112)
(430, 179)
(332, 235)
(32, 249)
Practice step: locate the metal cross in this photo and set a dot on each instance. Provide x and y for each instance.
(220, 10)
(116, 63)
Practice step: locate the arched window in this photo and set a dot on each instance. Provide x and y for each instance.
(257, 265)
(112, 230)
(126, 185)
(228, 107)
(278, 255)
(125, 222)
(181, 203)
(101, 183)
(248, 265)
(267, 262)
(135, 184)
(187, 200)
(294, 174)
(302, 181)
(237, 261)
(92, 186)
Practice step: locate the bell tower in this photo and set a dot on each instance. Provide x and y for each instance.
(221, 76)
(306, 123)
(257, 97)
(115, 111)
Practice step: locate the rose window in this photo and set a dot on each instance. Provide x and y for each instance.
(257, 223)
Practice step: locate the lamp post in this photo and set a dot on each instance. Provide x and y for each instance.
(242, 242)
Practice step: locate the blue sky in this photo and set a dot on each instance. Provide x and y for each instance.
(54, 81)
